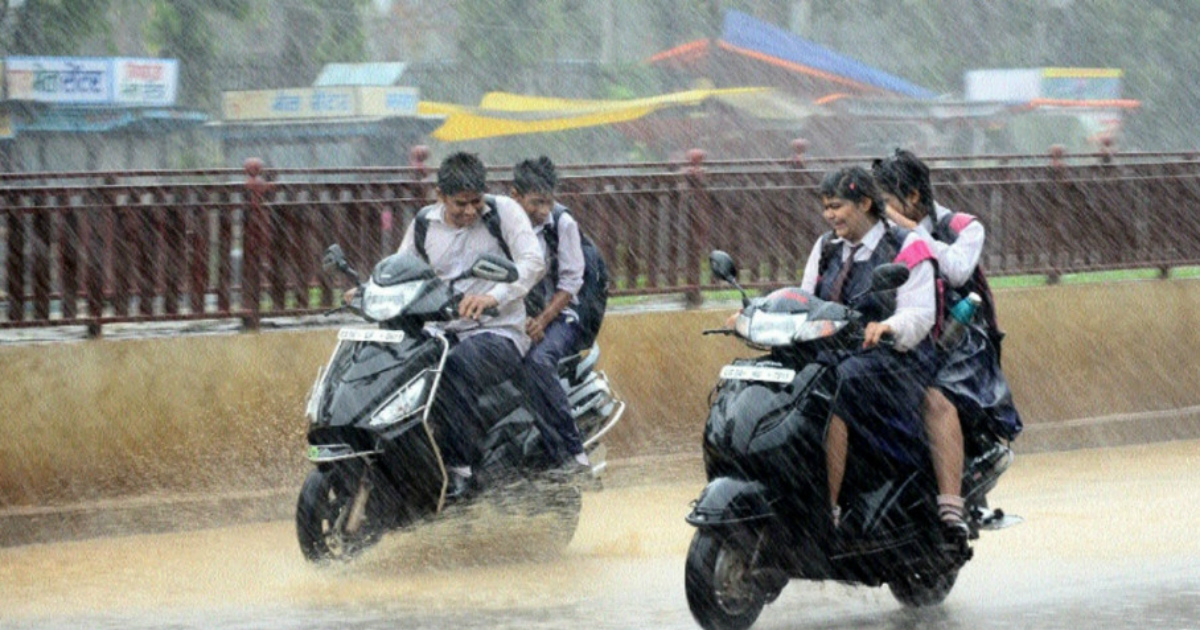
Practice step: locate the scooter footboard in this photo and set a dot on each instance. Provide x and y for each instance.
(729, 501)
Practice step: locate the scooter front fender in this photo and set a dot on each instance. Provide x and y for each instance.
(729, 501)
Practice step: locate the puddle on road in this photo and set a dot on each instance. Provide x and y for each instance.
(1087, 532)
(488, 562)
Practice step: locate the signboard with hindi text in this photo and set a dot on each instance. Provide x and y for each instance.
(320, 103)
(92, 80)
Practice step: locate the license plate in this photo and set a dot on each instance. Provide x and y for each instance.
(371, 334)
(754, 373)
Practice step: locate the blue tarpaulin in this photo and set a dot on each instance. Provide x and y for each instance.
(746, 32)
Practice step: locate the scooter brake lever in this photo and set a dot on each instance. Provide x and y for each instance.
(719, 331)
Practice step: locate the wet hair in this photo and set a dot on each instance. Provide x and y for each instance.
(854, 184)
(461, 172)
(902, 173)
(536, 176)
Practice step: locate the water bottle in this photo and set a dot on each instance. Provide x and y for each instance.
(961, 315)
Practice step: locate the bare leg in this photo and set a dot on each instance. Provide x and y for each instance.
(946, 441)
(837, 443)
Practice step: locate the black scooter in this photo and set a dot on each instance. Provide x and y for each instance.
(378, 467)
(764, 517)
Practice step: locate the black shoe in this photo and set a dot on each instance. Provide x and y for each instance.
(955, 535)
(458, 488)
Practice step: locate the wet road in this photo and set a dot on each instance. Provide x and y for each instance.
(1111, 541)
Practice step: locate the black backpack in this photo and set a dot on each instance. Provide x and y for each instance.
(592, 296)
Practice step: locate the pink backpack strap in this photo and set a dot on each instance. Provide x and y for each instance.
(915, 254)
(959, 221)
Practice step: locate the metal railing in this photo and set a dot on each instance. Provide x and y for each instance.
(90, 249)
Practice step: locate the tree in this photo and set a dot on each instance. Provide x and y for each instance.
(318, 32)
(181, 29)
(55, 27)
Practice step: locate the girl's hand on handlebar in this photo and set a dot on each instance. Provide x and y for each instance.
(875, 332)
(472, 306)
(732, 321)
(349, 295)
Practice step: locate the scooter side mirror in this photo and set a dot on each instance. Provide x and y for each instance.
(494, 268)
(722, 266)
(335, 258)
(888, 277)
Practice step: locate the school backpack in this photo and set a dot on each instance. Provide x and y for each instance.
(946, 231)
(593, 295)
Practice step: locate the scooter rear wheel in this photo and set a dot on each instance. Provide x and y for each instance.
(720, 593)
(918, 590)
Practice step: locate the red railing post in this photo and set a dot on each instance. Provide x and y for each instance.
(799, 148)
(42, 230)
(1106, 149)
(253, 241)
(697, 234)
(69, 250)
(198, 238)
(16, 259)
(1057, 173)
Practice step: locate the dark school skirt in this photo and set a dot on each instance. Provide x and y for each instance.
(880, 400)
(970, 376)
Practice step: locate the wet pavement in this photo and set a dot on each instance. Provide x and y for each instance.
(1110, 542)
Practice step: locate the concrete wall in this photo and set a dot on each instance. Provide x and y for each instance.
(106, 419)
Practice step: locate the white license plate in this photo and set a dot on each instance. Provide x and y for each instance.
(753, 373)
(371, 334)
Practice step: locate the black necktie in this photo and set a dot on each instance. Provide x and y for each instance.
(835, 294)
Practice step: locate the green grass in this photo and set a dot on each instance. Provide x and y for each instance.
(1016, 282)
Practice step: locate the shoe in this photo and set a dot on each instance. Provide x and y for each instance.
(570, 468)
(458, 488)
(955, 535)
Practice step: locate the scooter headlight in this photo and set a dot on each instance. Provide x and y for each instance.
(785, 329)
(383, 303)
(401, 405)
(313, 406)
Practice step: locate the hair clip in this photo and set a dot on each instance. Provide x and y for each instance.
(852, 186)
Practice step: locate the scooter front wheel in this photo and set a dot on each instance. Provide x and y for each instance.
(321, 513)
(720, 592)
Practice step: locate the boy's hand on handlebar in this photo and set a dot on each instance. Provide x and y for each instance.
(732, 320)
(349, 295)
(875, 332)
(472, 306)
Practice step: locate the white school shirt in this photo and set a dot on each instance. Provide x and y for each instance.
(957, 261)
(570, 257)
(452, 251)
(916, 299)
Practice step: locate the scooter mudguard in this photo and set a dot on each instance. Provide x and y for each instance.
(729, 501)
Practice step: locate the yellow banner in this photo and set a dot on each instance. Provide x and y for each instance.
(503, 114)
(1082, 73)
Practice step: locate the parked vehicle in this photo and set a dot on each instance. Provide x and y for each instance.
(765, 517)
(378, 466)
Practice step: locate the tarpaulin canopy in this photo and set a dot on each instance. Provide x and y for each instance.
(751, 38)
(504, 114)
